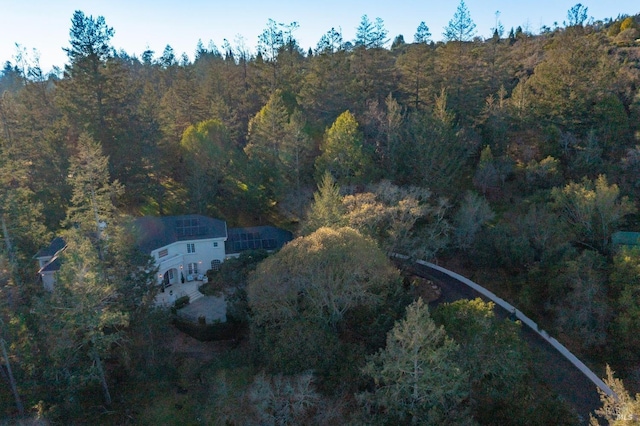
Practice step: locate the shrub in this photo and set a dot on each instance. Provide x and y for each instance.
(181, 302)
(209, 332)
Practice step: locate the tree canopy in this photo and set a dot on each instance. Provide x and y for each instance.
(361, 277)
(514, 158)
(415, 376)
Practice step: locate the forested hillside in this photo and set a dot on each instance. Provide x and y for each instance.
(514, 159)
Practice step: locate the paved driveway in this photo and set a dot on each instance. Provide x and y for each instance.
(554, 369)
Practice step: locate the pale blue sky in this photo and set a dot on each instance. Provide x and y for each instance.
(44, 24)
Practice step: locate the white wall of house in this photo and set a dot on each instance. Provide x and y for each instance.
(43, 261)
(48, 277)
(48, 280)
(190, 257)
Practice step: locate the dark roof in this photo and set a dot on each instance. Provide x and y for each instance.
(53, 252)
(255, 238)
(55, 246)
(155, 232)
(52, 266)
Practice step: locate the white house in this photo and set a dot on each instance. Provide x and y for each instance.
(183, 247)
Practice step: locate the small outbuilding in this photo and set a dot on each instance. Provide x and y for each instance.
(49, 263)
(625, 238)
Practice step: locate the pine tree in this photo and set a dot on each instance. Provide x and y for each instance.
(343, 153)
(422, 34)
(269, 44)
(327, 81)
(22, 228)
(461, 27)
(416, 72)
(92, 208)
(267, 133)
(327, 209)
(84, 318)
(620, 408)
(79, 320)
(434, 152)
(416, 379)
(365, 33)
(85, 85)
(473, 213)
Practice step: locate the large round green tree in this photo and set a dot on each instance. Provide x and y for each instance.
(316, 291)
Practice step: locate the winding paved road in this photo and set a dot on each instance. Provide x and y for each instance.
(554, 369)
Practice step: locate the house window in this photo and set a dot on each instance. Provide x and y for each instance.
(193, 268)
(163, 252)
(191, 248)
(215, 244)
(215, 265)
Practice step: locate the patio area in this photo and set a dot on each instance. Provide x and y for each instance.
(172, 292)
(212, 308)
